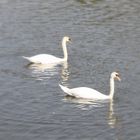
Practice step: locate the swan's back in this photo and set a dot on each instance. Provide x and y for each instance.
(84, 92)
(44, 59)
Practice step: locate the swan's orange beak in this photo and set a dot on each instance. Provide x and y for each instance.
(118, 78)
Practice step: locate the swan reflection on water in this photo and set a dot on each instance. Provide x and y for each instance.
(85, 104)
(112, 118)
(46, 71)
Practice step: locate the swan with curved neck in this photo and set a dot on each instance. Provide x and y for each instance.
(50, 59)
(89, 93)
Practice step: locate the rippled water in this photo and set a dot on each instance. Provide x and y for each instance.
(105, 37)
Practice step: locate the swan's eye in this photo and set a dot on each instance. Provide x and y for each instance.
(117, 75)
(69, 39)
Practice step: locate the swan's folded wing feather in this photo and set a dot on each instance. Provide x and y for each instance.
(89, 93)
(44, 59)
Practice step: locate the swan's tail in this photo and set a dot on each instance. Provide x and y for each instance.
(26, 57)
(65, 89)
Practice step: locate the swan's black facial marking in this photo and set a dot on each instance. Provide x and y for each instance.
(69, 40)
(117, 76)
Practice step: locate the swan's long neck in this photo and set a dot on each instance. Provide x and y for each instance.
(64, 50)
(112, 86)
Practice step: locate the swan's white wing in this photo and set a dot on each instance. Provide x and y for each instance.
(44, 59)
(84, 92)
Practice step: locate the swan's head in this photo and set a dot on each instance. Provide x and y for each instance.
(115, 75)
(66, 39)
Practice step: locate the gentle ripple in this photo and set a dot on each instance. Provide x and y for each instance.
(105, 37)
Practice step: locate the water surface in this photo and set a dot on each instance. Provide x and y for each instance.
(105, 37)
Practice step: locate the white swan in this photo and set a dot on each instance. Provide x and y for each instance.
(50, 59)
(89, 93)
